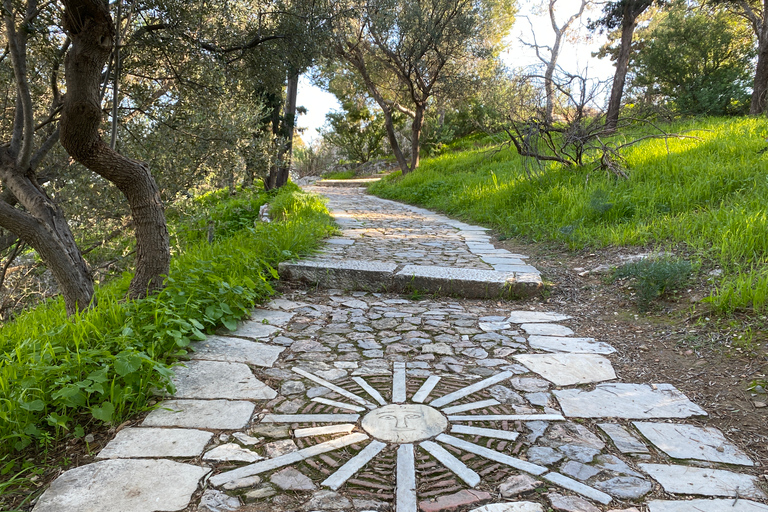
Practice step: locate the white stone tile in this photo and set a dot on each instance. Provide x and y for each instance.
(236, 350)
(546, 329)
(527, 317)
(702, 505)
(470, 406)
(518, 506)
(578, 487)
(340, 405)
(704, 481)
(217, 379)
(522, 465)
(210, 414)
(231, 452)
(373, 392)
(354, 465)
(123, 485)
(271, 317)
(691, 442)
(466, 391)
(425, 389)
(449, 461)
(344, 428)
(256, 329)
(156, 442)
(569, 369)
(624, 441)
(332, 387)
(406, 479)
(398, 383)
(629, 401)
(284, 460)
(310, 418)
(573, 345)
(484, 432)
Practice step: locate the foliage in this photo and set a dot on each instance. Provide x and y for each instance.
(356, 131)
(705, 193)
(340, 175)
(653, 277)
(59, 375)
(701, 59)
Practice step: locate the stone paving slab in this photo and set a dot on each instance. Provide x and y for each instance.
(690, 442)
(346, 274)
(123, 485)
(702, 505)
(426, 400)
(704, 481)
(469, 283)
(156, 442)
(236, 350)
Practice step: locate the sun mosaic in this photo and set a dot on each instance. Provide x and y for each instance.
(421, 421)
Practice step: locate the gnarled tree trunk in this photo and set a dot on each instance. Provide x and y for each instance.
(89, 26)
(622, 64)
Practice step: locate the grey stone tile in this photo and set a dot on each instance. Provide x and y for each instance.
(630, 401)
(691, 442)
(624, 441)
(704, 481)
(235, 350)
(702, 505)
(528, 317)
(210, 414)
(216, 379)
(546, 329)
(156, 442)
(124, 485)
(573, 345)
(569, 369)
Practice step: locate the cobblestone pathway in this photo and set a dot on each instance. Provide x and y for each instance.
(351, 400)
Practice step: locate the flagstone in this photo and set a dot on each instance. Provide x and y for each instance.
(156, 442)
(527, 317)
(704, 481)
(624, 441)
(216, 379)
(221, 348)
(691, 442)
(546, 329)
(209, 414)
(574, 345)
(569, 369)
(704, 505)
(123, 485)
(630, 401)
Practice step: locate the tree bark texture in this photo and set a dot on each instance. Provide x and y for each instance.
(43, 227)
(759, 104)
(628, 23)
(279, 173)
(89, 26)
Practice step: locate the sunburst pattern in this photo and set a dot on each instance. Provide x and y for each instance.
(428, 424)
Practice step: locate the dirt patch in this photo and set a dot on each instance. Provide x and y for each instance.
(711, 358)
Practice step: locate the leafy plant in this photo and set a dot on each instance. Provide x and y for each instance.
(652, 277)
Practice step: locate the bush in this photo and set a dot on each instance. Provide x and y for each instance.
(652, 277)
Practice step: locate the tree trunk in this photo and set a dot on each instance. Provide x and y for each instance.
(44, 228)
(759, 104)
(89, 26)
(416, 127)
(282, 167)
(622, 63)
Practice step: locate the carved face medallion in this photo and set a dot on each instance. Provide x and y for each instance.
(406, 423)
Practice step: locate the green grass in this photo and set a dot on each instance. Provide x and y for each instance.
(60, 376)
(706, 195)
(340, 175)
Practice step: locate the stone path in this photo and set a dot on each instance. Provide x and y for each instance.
(390, 246)
(352, 400)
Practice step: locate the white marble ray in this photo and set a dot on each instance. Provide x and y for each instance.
(691, 442)
(398, 383)
(569, 369)
(354, 465)
(449, 461)
(484, 432)
(340, 405)
(310, 418)
(425, 389)
(477, 386)
(510, 417)
(522, 465)
(406, 479)
(370, 390)
(470, 406)
(344, 428)
(578, 487)
(332, 387)
(289, 458)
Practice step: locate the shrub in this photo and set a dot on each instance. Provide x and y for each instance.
(652, 277)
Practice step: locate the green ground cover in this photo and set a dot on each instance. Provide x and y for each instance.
(64, 376)
(704, 195)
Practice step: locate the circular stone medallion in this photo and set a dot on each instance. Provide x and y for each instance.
(406, 423)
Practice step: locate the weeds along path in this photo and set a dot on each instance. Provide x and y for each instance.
(331, 398)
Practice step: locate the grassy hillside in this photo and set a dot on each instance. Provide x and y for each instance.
(705, 196)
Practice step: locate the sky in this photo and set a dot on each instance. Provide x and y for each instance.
(575, 56)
